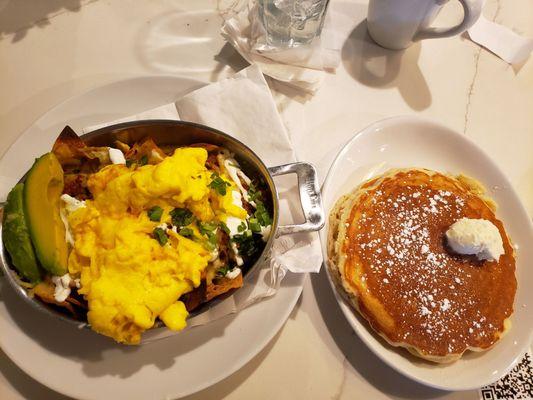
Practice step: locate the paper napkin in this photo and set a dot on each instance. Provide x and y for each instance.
(502, 41)
(242, 106)
(302, 67)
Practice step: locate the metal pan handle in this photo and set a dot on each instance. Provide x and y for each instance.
(310, 198)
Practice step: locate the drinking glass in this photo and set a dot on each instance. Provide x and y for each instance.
(291, 23)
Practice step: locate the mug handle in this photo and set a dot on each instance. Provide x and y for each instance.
(472, 11)
(310, 198)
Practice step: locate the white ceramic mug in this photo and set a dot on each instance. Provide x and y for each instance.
(396, 24)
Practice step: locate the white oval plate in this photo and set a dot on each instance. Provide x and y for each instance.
(414, 142)
(84, 365)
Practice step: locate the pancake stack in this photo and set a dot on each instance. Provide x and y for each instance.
(387, 254)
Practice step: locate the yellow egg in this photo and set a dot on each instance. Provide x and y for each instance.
(127, 277)
(174, 316)
(231, 202)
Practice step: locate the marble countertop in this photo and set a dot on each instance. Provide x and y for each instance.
(52, 50)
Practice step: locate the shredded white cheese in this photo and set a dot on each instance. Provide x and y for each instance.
(235, 272)
(62, 287)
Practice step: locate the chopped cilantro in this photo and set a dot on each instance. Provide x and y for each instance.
(161, 236)
(143, 160)
(218, 184)
(129, 163)
(186, 232)
(262, 215)
(181, 217)
(155, 213)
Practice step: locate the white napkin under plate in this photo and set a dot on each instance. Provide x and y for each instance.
(242, 106)
(302, 67)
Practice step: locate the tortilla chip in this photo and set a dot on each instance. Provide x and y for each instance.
(221, 286)
(145, 149)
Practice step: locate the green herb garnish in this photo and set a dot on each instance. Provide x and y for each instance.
(247, 243)
(262, 215)
(181, 217)
(218, 184)
(254, 225)
(161, 236)
(206, 227)
(253, 193)
(242, 227)
(222, 271)
(224, 227)
(155, 213)
(211, 242)
(142, 161)
(186, 232)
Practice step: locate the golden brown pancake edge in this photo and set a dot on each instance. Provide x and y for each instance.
(377, 317)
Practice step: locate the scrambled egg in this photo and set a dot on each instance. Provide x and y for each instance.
(127, 277)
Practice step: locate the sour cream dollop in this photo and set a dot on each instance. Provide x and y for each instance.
(68, 206)
(116, 156)
(475, 236)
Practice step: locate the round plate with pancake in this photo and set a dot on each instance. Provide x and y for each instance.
(405, 142)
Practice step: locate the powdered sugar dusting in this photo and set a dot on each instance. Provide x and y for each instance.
(407, 261)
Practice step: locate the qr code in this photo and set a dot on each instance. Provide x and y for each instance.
(517, 384)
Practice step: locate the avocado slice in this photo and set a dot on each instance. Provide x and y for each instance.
(17, 237)
(42, 190)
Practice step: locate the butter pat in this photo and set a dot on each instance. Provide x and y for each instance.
(475, 236)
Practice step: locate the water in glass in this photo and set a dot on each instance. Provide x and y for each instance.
(290, 23)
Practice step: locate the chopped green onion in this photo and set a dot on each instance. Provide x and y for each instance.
(242, 227)
(211, 243)
(222, 271)
(142, 161)
(155, 213)
(224, 227)
(206, 227)
(254, 225)
(262, 215)
(161, 236)
(186, 232)
(218, 184)
(247, 243)
(181, 217)
(253, 193)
